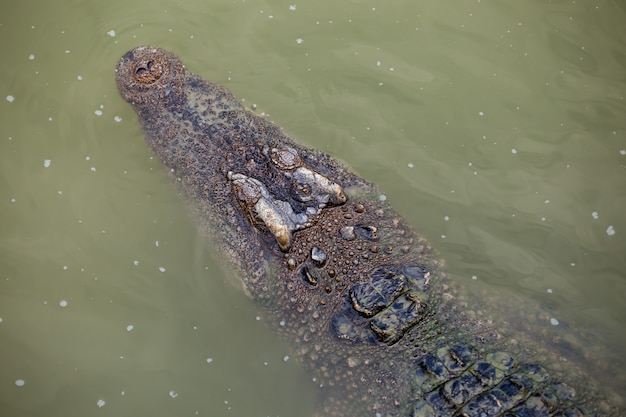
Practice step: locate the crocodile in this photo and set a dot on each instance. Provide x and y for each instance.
(363, 299)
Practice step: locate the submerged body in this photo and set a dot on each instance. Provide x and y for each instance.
(361, 297)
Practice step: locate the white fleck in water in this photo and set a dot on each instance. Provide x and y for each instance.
(19, 382)
(265, 363)
(258, 318)
(622, 151)
(410, 165)
(1, 319)
(554, 321)
(382, 197)
(572, 264)
(47, 163)
(392, 69)
(292, 7)
(156, 243)
(549, 290)
(162, 269)
(65, 267)
(13, 200)
(610, 230)
(93, 169)
(79, 77)
(474, 277)
(209, 360)
(130, 328)
(10, 98)
(117, 119)
(595, 215)
(98, 112)
(135, 262)
(100, 403)
(444, 236)
(173, 394)
(480, 113)
(378, 63)
(111, 33)
(546, 202)
(299, 41)
(67, 51)
(31, 57)
(285, 358)
(63, 303)
(543, 219)
(446, 218)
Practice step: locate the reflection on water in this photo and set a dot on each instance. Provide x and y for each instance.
(498, 130)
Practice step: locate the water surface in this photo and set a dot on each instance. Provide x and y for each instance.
(496, 128)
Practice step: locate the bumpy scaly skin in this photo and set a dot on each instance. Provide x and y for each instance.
(359, 294)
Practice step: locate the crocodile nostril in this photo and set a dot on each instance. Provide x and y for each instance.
(148, 71)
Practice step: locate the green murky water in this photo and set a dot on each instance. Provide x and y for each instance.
(497, 128)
